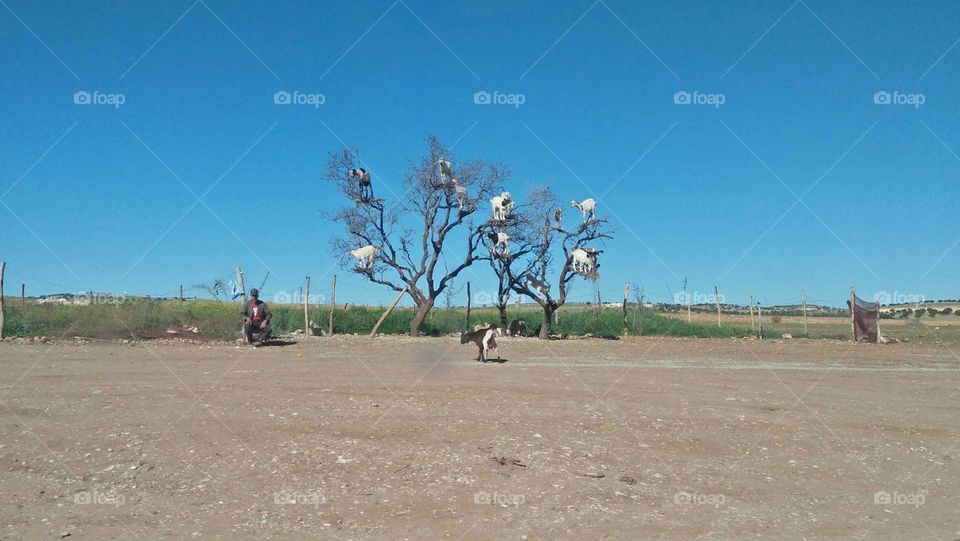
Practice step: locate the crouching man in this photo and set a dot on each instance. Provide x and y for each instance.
(256, 319)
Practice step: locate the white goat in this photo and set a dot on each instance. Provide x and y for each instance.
(501, 243)
(584, 260)
(446, 170)
(540, 286)
(587, 207)
(462, 196)
(502, 205)
(362, 176)
(365, 256)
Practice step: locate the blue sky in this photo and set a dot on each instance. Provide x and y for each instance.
(99, 197)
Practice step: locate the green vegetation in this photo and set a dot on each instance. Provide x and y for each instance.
(150, 318)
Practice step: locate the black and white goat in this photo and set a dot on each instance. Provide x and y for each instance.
(485, 339)
(362, 176)
(501, 244)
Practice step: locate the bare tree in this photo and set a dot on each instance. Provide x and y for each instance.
(412, 235)
(549, 238)
(523, 239)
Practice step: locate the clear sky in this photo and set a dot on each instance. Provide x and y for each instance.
(786, 173)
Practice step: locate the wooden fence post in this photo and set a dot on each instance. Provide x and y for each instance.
(3, 266)
(759, 322)
(626, 293)
(181, 293)
(716, 299)
(468, 306)
(333, 305)
(640, 329)
(803, 298)
(306, 304)
(387, 312)
(23, 294)
(753, 324)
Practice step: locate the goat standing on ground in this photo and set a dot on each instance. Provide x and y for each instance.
(518, 327)
(365, 256)
(362, 176)
(502, 205)
(588, 207)
(484, 339)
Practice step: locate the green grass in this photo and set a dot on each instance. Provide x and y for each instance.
(152, 318)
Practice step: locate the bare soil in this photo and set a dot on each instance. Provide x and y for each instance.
(402, 438)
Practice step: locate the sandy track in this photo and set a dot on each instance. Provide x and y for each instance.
(397, 438)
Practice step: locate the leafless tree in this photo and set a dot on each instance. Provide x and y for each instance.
(549, 239)
(524, 237)
(413, 235)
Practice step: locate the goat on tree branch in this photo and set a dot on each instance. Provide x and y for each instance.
(410, 237)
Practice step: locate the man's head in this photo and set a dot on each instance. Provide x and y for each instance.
(254, 294)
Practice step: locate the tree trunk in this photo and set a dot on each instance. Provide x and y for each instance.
(547, 320)
(421, 314)
(503, 317)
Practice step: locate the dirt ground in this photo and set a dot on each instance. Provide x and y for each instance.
(401, 438)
